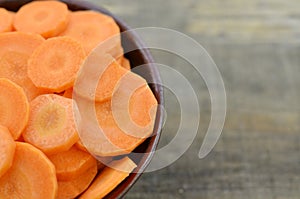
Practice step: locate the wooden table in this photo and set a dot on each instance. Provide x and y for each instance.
(256, 47)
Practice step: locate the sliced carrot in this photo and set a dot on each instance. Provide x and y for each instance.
(80, 146)
(73, 188)
(47, 18)
(116, 137)
(91, 28)
(14, 107)
(125, 140)
(60, 94)
(126, 63)
(109, 178)
(71, 164)
(32, 175)
(68, 93)
(61, 59)
(15, 50)
(7, 148)
(6, 20)
(108, 81)
(20, 139)
(102, 161)
(130, 129)
(140, 111)
(51, 125)
(110, 75)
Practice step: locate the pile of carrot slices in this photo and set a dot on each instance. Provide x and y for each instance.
(43, 47)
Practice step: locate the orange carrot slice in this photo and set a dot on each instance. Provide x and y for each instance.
(108, 81)
(20, 139)
(126, 63)
(110, 75)
(73, 188)
(125, 140)
(32, 175)
(104, 161)
(47, 18)
(71, 164)
(51, 125)
(116, 137)
(15, 50)
(68, 93)
(61, 58)
(14, 107)
(7, 148)
(91, 28)
(80, 146)
(109, 178)
(6, 20)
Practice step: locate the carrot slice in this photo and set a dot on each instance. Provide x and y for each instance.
(32, 175)
(51, 125)
(109, 178)
(124, 139)
(91, 28)
(15, 50)
(80, 146)
(73, 188)
(110, 74)
(14, 107)
(68, 93)
(98, 88)
(7, 148)
(125, 63)
(71, 164)
(47, 18)
(117, 137)
(61, 58)
(135, 126)
(102, 161)
(108, 81)
(6, 20)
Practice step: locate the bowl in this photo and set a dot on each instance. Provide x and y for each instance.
(138, 57)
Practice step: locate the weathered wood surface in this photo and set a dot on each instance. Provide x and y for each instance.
(256, 47)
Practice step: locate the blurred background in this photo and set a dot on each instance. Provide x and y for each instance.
(256, 47)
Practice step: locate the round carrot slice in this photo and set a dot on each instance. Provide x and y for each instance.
(6, 20)
(100, 88)
(32, 175)
(114, 120)
(126, 63)
(80, 146)
(121, 128)
(73, 188)
(47, 18)
(14, 107)
(61, 59)
(15, 50)
(91, 28)
(68, 93)
(7, 148)
(51, 126)
(109, 178)
(71, 164)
